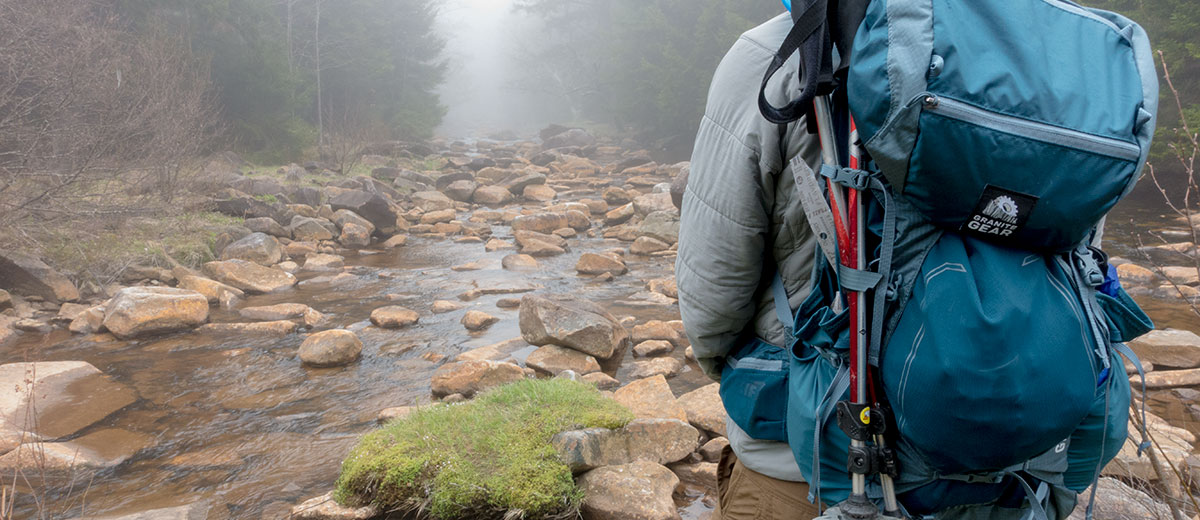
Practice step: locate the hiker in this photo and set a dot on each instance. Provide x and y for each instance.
(790, 322)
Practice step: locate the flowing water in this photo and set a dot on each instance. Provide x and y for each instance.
(236, 421)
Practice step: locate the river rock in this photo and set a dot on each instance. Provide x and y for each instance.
(517, 185)
(394, 317)
(656, 440)
(494, 352)
(574, 137)
(519, 262)
(461, 190)
(1168, 379)
(544, 223)
(650, 398)
(704, 409)
(396, 241)
(325, 508)
(1176, 444)
(260, 248)
(284, 311)
(371, 206)
(711, 451)
(70, 396)
(552, 359)
(665, 366)
(664, 286)
(89, 321)
(646, 245)
(616, 196)
(211, 289)
(27, 274)
(321, 262)
(1169, 348)
(619, 215)
(470, 377)
(661, 225)
(330, 348)
(431, 200)
(593, 264)
(478, 320)
(640, 490)
(267, 225)
(578, 220)
(393, 413)
(194, 511)
(655, 330)
(342, 217)
(102, 449)
(354, 235)
(438, 217)
(1135, 274)
(653, 348)
(309, 229)
(250, 277)
(264, 329)
(539, 193)
(652, 203)
(492, 196)
(444, 306)
(575, 324)
(1182, 275)
(140, 311)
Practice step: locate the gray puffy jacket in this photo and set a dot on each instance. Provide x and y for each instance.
(737, 209)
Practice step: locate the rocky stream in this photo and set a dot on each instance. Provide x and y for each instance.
(235, 390)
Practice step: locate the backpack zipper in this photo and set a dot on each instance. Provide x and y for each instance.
(958, 110)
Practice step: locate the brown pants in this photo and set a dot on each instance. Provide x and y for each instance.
(747, 495)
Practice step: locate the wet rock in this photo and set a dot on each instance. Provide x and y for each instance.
(494, 352)
(619, 215)
(544, 223)
(102, 449)
(656, 440)
(553, 359)
(539, 248)
(592, 264)
(1169, 348)
(519, 262)
(89, 321)
(711, 451)
(330, 348)
(652, 203)
(639, 490)
(193, 511)
(661, 225)
(394, 317)
(69, 396)
(478, 320)
(250, 277)
(656, 330)
(26, 274)
(396, 241)
(699, 474)
(141, 311)
(601, 380)
(267, 225)
(267, 329)
(650, 398)
(371, 206)
(431, 200)
(354, 235)
(321, 262)
(616, 196)
(396, 412)
(439, 216)
(646, 245)
(1182, 275)
(575, 324)
(470, 377)
(325, 508)
(32, 325)
(260, 248)
(508, 303)
(704, 409)
(517, 185)
(284, 311)
(664, 286)
(462, 190)
(331, 280)
(565, 233)
(444, 306)
(539, 193)
(309, 229)
(653, 348)
(578, 220)
(665, 366)
(492, 196)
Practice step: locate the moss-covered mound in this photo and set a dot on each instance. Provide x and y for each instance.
(484, 458)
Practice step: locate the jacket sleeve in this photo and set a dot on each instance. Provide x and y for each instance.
(726, 210)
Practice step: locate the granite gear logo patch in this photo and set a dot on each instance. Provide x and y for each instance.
(1000, 213)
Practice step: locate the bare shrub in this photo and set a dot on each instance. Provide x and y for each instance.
(94, 120)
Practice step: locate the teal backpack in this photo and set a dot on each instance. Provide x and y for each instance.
(1000, 133)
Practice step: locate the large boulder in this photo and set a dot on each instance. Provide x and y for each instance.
(575, 324)
(470, 377)
(1171, 348)
(661, 225)
(640, 490)
(140, 311)
(371, 206)
(27, 274)
(102, 449)
(211, 289)
(330, 348)
(260, 248)
(657, 440)
(68, 397)
(250, 277)
(650, 398)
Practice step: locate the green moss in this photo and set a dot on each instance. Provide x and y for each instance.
(481, 458)
(267, 198)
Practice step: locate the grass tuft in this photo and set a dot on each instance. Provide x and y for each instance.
(481, 458)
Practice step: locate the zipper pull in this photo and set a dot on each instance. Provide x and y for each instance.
(930, 101)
